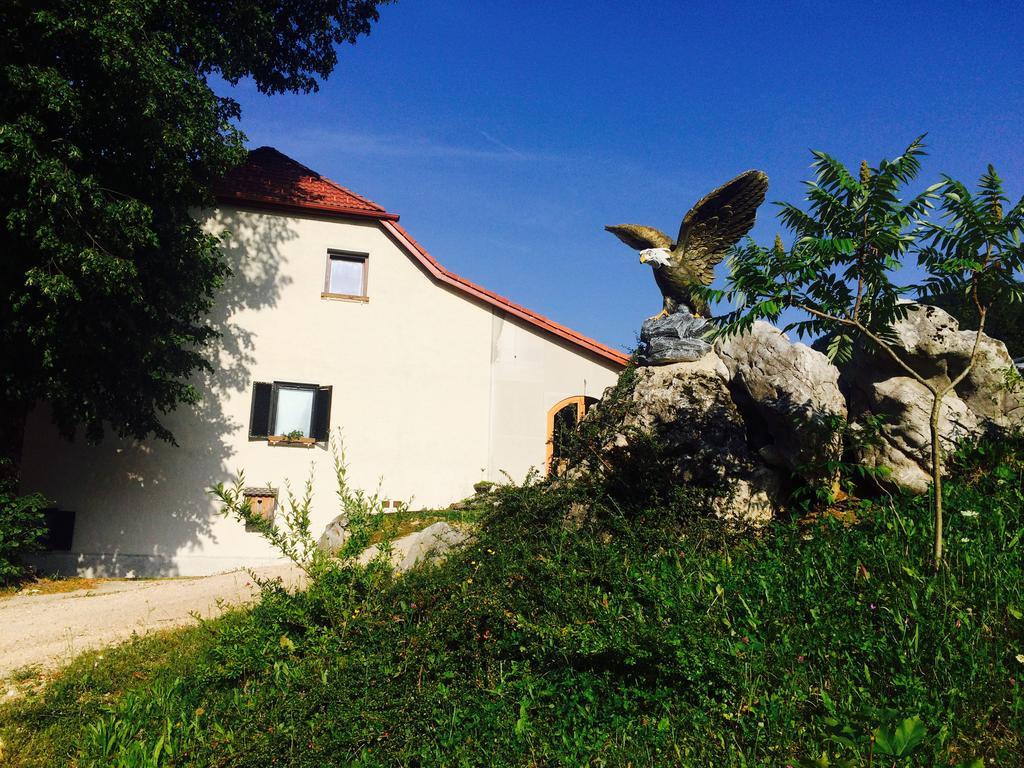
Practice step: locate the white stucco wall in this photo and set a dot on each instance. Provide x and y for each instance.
(433, 391)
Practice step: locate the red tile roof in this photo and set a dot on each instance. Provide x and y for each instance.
(270, 179)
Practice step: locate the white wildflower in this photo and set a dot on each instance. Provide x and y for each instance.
(968, 513)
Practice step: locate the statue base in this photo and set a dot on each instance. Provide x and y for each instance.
(677, 338)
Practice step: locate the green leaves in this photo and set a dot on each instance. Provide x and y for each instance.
(110, 141)
(899, 740)
(976, 247)
(21, 525)
(848, 242)
(649, 636)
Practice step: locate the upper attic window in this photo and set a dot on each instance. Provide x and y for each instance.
(346, 276)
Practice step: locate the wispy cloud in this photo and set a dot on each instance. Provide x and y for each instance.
(501, 144)
(398, 145)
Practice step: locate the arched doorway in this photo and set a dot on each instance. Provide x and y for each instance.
(563, 419)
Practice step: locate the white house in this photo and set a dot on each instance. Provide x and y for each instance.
(334, 319)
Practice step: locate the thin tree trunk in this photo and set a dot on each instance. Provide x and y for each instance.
(937, 397)
(937, 476)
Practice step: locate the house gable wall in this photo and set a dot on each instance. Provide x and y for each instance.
(432, 390)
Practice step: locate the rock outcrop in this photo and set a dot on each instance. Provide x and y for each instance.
(335, 535)
(759, 410)
(790, 399)
(688, 410)
(434, 541)
(904, 438)
(933, 344)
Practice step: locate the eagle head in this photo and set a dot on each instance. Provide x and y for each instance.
(656, 257)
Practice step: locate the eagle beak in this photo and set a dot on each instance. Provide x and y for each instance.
(643, 258)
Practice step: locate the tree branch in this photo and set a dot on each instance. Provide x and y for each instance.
(982, 312)
(896, 358)
(974, 354)
(876, 339)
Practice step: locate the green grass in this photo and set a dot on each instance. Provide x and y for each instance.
(648, 637)
(44, 727)
(402, 523)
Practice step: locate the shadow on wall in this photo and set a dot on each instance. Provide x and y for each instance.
(140, 505)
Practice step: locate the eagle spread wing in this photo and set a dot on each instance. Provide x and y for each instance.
(711, 227)
(640, 237)
(716, 223)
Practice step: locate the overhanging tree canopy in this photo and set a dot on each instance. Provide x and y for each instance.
(110, 137)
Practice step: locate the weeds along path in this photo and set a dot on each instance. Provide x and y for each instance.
(47, 631)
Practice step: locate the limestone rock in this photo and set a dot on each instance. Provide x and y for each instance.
(434, 541)
(687, 407)
(335, 535)
(905, 445)
(787, 393)
(673, 339)
(732, 416)
(933, 344)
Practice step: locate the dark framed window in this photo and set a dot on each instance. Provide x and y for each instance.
(346, 276)
(286, 409)
(59, 531)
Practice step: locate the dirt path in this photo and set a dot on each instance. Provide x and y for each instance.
(50, 630)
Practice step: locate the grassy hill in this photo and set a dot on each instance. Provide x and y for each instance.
(633, 632)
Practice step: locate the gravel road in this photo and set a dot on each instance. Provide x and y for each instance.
(49, 630)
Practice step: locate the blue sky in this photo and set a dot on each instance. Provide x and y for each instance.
(508, 134)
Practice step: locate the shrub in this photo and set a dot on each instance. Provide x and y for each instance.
(21, 528)
(163, 724)
(646, 636)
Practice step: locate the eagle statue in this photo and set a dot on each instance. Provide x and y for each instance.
(709, 229)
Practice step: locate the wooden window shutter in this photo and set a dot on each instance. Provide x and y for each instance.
(259, 416)
(322, 415)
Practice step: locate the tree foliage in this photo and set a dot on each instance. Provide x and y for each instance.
(110, 139)
(842, 270)
(22, 526)
(980, 235)
(847, 246)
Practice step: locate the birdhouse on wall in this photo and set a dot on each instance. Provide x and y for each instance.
(262, 501)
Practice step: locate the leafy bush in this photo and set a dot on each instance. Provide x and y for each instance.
(645, 636)
(21, 527)
(583, 445)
